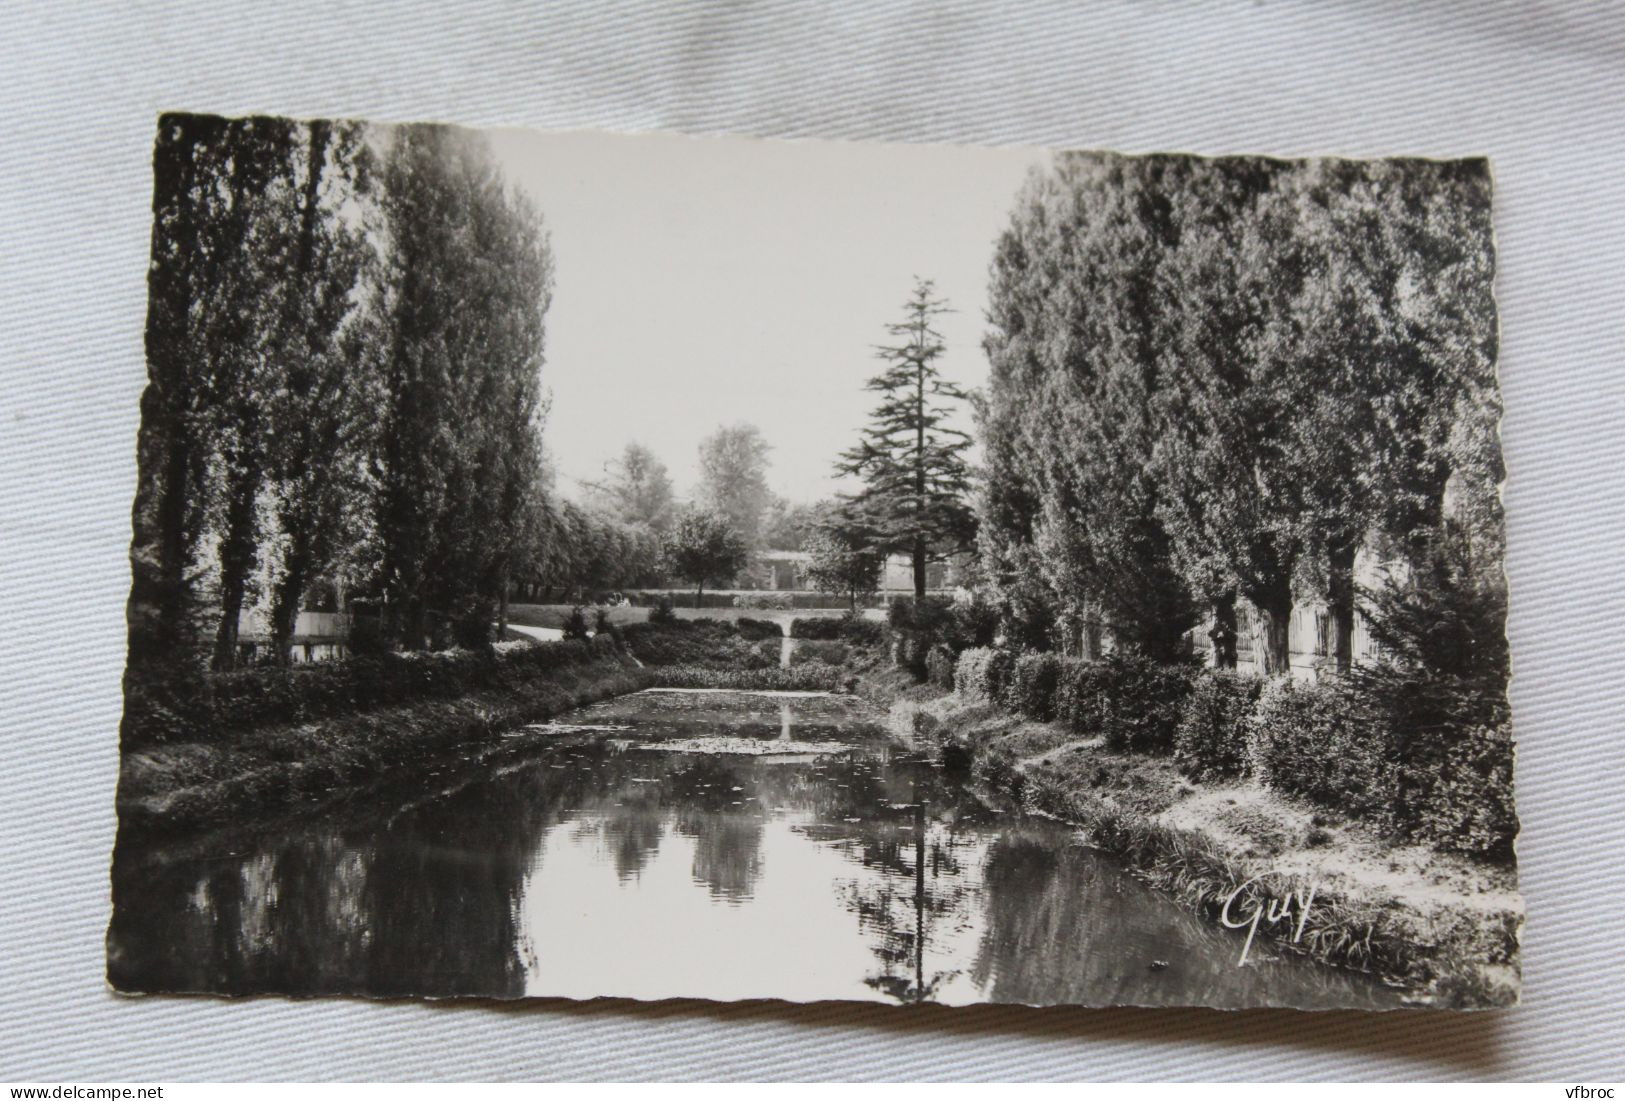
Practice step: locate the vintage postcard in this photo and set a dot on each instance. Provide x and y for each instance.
(645, 567)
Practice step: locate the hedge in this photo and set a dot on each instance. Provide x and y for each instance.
(1032, 685)
(1457, 791)
(724, 598)
(264, 696)
(1210, 741)
(981, 673)
(846, 628)
(1318, 740)
(814, 677)
(698, 642)
(1130, 700)
(817, 650)
(939, 666)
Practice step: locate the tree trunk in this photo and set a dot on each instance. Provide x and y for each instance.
(1223, 632)
(237, 552)
(290, 593)
(1271, 627)
(919, 572)
(699, 595)
(1340, 601)
(502, 608)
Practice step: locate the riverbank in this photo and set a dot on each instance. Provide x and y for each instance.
(260, 770)
(279, 740)
(1445, 927)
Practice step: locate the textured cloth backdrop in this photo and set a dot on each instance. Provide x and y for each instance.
(1541, 89)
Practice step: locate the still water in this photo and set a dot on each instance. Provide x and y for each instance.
(646, 847)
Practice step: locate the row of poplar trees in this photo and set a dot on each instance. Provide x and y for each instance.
(344, 343)
(1216, 381)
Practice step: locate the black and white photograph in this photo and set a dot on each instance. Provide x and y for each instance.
(587, 565)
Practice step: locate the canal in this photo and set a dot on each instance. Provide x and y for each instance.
(684, 844)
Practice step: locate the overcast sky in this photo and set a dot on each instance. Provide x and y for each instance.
(705, 281)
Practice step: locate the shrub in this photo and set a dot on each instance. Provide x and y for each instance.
(757, 629)
(1457, 793)
(1131, 700)
(813, 650)
(928, 617)
(1081, 697)
(862, 632)
(980, 674)
(1318, 741)
(1439, 688)
(819, 627)
(908, 650)
(663, 612)
(269, 695)
(1211, 738)
(939, 666)
(700, 642)
(1032, 684)
(773, 601)
(575, 624)
(970, 625)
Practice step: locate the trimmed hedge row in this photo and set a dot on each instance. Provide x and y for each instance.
(1033, 683)
(1324, 741)
(813, 677)
(854, 630)
(265, 696)
(684, 598)
(700, 642)
(1133, 702)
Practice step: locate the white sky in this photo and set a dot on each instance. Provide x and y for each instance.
(704, 281)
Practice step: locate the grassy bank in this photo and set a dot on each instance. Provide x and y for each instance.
(270, 767)
(1443, 925)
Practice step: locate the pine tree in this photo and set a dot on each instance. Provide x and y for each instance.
(911, 460)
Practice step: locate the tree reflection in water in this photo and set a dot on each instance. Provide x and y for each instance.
(902, 885)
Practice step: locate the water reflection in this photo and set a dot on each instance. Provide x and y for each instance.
(585, 864)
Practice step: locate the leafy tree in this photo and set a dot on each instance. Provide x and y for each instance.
(1232, 502)
(840, 564)
(733, 478)
(321, 415)
(789, 525)
(703, 546)
(1069, 416)
(210, 178)
(466, 285)
(911, 460)
(639, 488)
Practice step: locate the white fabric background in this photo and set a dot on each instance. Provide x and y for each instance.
(1541, 88)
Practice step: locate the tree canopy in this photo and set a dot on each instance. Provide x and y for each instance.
(704, 546)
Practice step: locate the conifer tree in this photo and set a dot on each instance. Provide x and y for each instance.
(916, 482)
